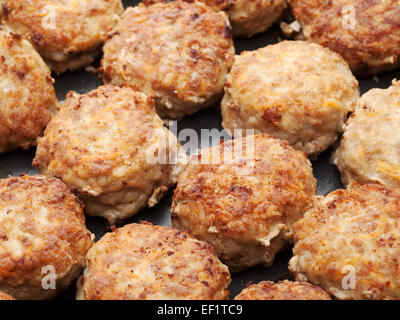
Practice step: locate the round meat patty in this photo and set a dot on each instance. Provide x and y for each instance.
(111, 146)
(365, 33)
(43, 237)
(68, 34)
(178, 53)
(283, 290)
(249, 17)
(295, 90)
(27, 96)
(146, 262)
(244, 207)
(349, 243)
(370, 148)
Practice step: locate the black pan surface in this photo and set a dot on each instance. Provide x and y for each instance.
(17, 162)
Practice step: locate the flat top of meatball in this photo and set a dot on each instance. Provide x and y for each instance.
(179, 49)
(292, 74)
(64, 27)
(101, 139)
(247, 198)
(283, 290)
(354, 229)
(361, 31)
(296, 90)
(142, 261)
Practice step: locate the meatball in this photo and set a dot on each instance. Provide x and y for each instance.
(297, 91)
(43, 237)
(244, 207)
(111, 147)
(146, 262)
(27, 96)
(68, 34)
(349, 243)
(365, 33)
(283, 290)
(5, 296)
(370, 148)
(177, 53)
(249, 17)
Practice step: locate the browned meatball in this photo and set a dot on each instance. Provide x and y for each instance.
(146, 262)
(104, 144)
(27, 96)
(249, 17)
(177, 53)
(42, 228)
(68, 34)
(295, 90)
(349, 243)
(365, 33)
(246, 206)
(283, 290)
(370, 148)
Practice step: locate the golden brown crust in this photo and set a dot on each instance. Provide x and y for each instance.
(351, 234)
(283, 290)
(27, 96)
(146, 262)
(68, 34)
(41, 224)
(244, 208)
(370, 147)
(282, 91)
(177, 53)
(100, 143)
(5, 296)
(370, 46)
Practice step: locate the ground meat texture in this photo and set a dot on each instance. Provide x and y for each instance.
(27, 96)
(146, 262)
(244, 206)
(177, 53)
(365, 32)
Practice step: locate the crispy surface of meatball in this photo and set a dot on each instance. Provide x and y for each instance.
(244, 207)
(365, 32)
(42, 227)
(68, 34)
(297, 91)
(146, 262)
(27, 96)
(283, 290)
(349, 243)
(178, 53)
(370, 148)
(113, 148)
